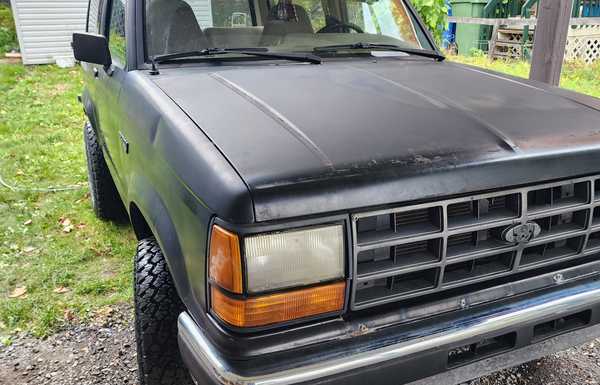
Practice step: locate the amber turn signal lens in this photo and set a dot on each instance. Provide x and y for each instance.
(225, 262)
(280, 307)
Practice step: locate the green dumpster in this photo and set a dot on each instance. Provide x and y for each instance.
(468, 36)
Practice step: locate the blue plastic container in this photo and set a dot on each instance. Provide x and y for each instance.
(449, 34)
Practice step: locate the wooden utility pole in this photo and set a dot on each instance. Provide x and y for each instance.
(550, 40)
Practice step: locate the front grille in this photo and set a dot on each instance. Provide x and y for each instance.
(412, 251)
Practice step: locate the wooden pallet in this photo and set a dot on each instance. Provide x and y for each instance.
(507, 43)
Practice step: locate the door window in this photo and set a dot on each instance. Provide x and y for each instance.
(116, 33)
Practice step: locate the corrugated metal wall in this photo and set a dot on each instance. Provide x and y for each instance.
(45, 28)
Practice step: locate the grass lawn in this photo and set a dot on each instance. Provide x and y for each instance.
(8, 34)
(57, 261)
(575, 76)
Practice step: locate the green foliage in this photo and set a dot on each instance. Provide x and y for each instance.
(8, 33)
(69, 270)
(434, 13)
(583, 78)
(6, 341)
(476, 52)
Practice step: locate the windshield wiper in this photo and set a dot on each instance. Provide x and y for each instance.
(384, 47)
(254, 51)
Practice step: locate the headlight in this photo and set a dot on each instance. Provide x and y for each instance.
(294, 258)
(303, 271)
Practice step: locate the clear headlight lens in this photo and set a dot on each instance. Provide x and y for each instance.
(294, 258)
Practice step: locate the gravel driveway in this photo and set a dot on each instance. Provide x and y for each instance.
(104, 353)
(100, 353)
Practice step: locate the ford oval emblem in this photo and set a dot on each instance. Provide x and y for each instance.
(520, 233)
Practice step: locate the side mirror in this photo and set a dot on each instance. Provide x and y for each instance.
(91, 48)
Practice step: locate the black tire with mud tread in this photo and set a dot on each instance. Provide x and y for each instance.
(106, 201)
(157, 306)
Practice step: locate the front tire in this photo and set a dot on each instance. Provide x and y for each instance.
(157, 306)
(106, 201)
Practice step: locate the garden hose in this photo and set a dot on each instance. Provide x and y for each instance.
(40, 190)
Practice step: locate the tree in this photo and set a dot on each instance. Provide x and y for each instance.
(434, 13)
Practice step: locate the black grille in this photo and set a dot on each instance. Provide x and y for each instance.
(557, 197)
(475, 242)
(476, 268)
(483, 210)
(547, 252)
(395, 257)
(413, 251)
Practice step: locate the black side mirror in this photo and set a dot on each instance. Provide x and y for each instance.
(91, 48)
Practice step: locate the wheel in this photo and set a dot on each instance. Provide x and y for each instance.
(106, 201)
(157, 306)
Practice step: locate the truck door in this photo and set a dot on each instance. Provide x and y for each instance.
(108, 88)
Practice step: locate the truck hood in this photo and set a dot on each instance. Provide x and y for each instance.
(308, 139)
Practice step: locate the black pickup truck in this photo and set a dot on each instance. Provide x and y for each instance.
(320, 198)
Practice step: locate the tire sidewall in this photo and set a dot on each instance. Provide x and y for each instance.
(92, 186)
(157, 307)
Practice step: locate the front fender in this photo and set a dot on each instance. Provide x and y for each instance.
(89, 108)
(179, 181)
(154, 210)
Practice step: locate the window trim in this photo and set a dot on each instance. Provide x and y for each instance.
(421, 24)
(87, 16)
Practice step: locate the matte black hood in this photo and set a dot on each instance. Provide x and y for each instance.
(343, 135)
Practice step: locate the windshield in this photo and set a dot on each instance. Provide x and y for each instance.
(174, 26)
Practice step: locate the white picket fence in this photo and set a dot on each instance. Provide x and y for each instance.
(583, 43)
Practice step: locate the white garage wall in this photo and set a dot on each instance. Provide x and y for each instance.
(202, 11)
(45, 28)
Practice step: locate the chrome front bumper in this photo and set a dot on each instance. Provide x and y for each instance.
(204, 361)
